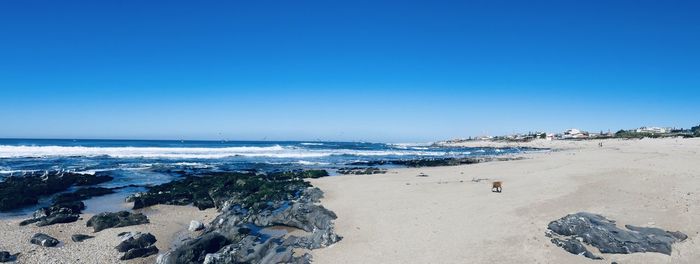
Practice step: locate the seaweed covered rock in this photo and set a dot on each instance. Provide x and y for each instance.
(82, 194)
(44, 240)
(137, 245)
(424, 162)
(106, 220)
(93, 179)
(237, 236)
(219, 189)
(361, 170)
(603, 234)
(20, 191)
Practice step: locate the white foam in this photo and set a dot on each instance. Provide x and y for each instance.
(311, 144)
(197, 152)
(305, 162)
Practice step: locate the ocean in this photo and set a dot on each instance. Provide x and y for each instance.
(149, 162)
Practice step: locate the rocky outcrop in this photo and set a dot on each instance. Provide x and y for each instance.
(80, 237)
(106, 220)
(44, 240)
(361, 170)
(82, 194)
(66, 207)
(58, 213)
(573, 231)
(424, 162)
(93, 179)
(216, 189)
(25, 190)
(238, 234)
(137, 245)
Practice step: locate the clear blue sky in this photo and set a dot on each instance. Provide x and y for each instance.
(353, 70)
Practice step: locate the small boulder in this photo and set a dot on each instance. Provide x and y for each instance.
(7, 257)
(137, 245)
(80, 237)
(44, 240)
(119, 219)
(196, 226)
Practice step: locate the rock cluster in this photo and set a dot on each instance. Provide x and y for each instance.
(238, 234)
(573, 231)
(55, 214)
(106, 220)
(20, 191)
(137, 245)
(216, 189)
(424, 162)
(361, 170)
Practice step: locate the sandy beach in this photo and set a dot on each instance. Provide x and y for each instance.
(448, 218)
(167, 223)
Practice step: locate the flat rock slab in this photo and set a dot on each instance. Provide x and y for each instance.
(573, 231)
(106, 220)
(80, 237)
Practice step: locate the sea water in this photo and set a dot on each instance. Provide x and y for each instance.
(150, 162)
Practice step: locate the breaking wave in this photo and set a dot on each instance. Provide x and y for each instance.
(275, 151)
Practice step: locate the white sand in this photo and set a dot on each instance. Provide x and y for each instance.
(447, 218)
(168, 224)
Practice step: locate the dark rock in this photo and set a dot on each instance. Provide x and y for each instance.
(575, 247)
(602, 233)
(249, 203)
(252, 249)
(82, 194)
(361, 170)
(58, 213)
(194, 251)
(423, 162)
(44, 240)
(137, 245)
(139, 253)
(93, 180)
(7, 257)
(245, 190)
(80, 237)
(119, 219)
(236, 235)
(20, 191)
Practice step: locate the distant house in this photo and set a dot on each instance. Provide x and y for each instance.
(575, 134)
(659, 130)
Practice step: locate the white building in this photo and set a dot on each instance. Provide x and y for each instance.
(659, 130)
(574, 134)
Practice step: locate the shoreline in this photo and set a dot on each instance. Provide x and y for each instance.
(446, 218)
(451, 216)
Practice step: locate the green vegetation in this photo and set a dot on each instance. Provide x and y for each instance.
(634, 134)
